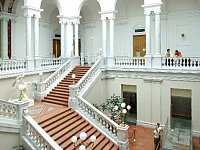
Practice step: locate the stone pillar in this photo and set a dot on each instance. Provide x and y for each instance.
(148, 56)
(123, 141)
(36, 35)
(157, 32)
(72, 96)
(4, 38)
(104, 36)
(76, 38)
(63, 41)
(157, 56)
(148, 33)
(28, 35)
(112, 36)
(69, 38)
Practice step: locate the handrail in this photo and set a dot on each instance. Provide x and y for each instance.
(50, 80)
(8, 110)
(37, 135)
(181, 62)
(83, 81)
(98, 111)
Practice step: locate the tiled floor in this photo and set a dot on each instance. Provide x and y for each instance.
(144, 139)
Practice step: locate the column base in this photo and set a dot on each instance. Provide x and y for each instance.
(148, 60)
(157, 61)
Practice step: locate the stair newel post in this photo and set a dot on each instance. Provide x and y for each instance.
(73, 102)
(82, 59)
(122, 135)
(40, 91)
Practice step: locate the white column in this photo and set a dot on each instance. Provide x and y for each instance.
(28, 36)
(104, 36)
(36, 41)
(4, 38)
(148, 33)
(112, 36)
(63, 48)
(157, 32)
(69, 38)
(76, 38)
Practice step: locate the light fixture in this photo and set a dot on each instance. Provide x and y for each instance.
(123, 112)
(83, 145)
(73, 77)
(21, 94)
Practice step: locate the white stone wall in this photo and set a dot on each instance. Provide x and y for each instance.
(9, 140)
(153, 96)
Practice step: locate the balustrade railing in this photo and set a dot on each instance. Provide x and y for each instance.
(98, 116)
(42, 88)
(8, 110)
(129, 61)
(40, 139)
(181, 62)
(13, 66)
(89, 75)
(11, 112)
(49, 62)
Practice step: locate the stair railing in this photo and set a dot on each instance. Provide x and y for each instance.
(11, 113)
(88, 76)
(115, 132)
(42, 88)
(13, 66)
(37, 136)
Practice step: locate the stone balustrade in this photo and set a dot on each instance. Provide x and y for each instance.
(38, 137)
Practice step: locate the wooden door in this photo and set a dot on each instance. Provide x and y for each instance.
(56, 48)
(139, 45)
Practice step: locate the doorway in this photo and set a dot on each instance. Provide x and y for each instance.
(56, 48)
(129, 96)
(181, 104)
(139, 45)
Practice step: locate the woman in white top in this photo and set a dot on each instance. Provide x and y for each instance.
(156, 132)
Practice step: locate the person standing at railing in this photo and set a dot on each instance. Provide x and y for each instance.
(177, 53)
(167, 53)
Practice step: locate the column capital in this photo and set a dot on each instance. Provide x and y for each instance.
(76, 19)
(62, 19)
(108, 14)
(6, 16)
(30, 11)
(147, 12)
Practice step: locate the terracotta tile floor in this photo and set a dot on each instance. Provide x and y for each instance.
(144, 139)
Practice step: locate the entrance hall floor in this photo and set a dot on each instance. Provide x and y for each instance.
(144, 139)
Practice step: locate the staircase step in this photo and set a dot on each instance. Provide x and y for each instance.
(53, 95)
(59, 92)
(72, 133)
(63, 120)
(64, 103)
(62, 127)
(80, 123)
(69, 145)
(47, 117)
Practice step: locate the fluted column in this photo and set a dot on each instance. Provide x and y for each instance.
(69, 38)
(36, 34)
(76, 37)
(157, 32)
(112, 36)
(28, 35)
(63, 47)
(4, 38)
(104, 36)
(148, 33)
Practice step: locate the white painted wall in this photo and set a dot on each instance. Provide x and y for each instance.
(153, 96)
(9, 140)
(10, 92)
